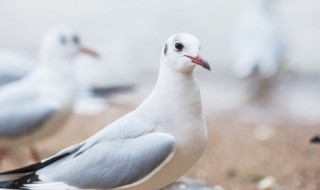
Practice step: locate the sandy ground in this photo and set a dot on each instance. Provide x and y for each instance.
(236, 157)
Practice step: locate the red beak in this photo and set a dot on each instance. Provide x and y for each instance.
(199, 61)
(89, 52)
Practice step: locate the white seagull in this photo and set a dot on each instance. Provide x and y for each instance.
(146, 149)
(259, 41)
(38, 105)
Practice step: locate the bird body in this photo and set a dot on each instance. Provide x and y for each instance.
(189, 122)
(146, 149)
(46, 91)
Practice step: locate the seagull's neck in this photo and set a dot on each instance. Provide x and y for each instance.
(173, 81)
(175, 91)
(56, 79)
(57, 71)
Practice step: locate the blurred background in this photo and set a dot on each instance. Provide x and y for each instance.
(249, 138)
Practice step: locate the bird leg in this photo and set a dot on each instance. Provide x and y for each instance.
(34, 154)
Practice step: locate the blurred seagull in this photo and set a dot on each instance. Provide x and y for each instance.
(93, 87)
(146, 149)
(259, 42)
(259, 49)
(315, 139)
(14, 66)
(37, 105)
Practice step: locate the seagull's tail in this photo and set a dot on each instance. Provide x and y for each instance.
(22, 177)
(17, 181)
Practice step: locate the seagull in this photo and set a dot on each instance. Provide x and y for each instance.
(259, 49)
(315, 139)
(145, 149)
(91, 96)
(14, 66)
(259, 41)
(38, 105)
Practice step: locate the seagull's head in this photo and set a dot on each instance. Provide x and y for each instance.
(63, 43)
(181, 52)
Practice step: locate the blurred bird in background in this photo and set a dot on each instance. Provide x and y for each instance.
(39, 104)
(259, 48)
(92, 91)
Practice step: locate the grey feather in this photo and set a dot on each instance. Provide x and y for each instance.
(5, 79)
(22, 113)
(111, 164)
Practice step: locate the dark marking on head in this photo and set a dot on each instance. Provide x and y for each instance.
(165, 49)
(76, 39)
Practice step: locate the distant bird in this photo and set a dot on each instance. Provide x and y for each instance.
(315, 139)
(14, 66)
(259, 41)
(146, 149)
(38, 105)
(91, 95)
(259, 48)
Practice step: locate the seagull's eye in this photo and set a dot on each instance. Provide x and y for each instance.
(178, 46)
(76, 39)
(63, 40)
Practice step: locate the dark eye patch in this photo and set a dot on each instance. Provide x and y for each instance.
(165, 49)
(76, 39)
(179, 46)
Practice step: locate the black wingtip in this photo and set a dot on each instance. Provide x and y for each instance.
(315, 139)
(20, 182)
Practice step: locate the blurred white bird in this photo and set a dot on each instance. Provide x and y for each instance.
(146, 149)
(38, 105)
(259, 41)
(93, 86)
(259, 49)
(14, 66)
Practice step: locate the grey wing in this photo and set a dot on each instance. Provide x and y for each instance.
(23, 113)
(14, 66)
(113, 164)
